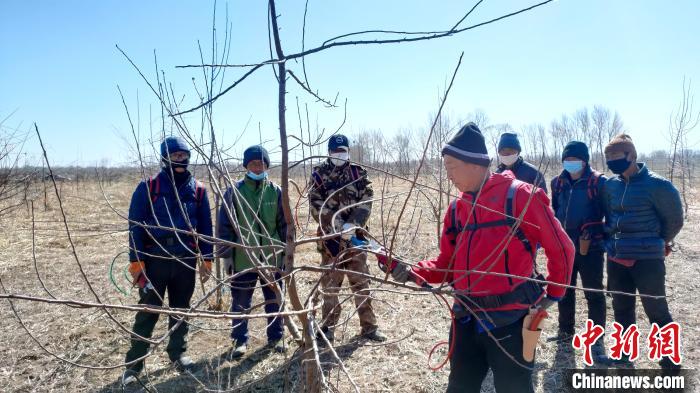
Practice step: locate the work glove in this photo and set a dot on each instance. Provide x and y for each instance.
(401, 273)
(136, 269)
(347, 232)
(399, 270)
(205, 271)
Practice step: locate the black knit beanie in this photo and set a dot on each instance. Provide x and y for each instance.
(576, 149)
(468, 145)
(256, 152)
(508, 139)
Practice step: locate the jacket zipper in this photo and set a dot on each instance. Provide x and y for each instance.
(622, 207)
(568, 201)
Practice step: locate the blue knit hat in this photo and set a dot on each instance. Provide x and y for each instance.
(468, 145)
(255, 152)
(576, 149)
(508, 139)
(173, 144)
(338, 141)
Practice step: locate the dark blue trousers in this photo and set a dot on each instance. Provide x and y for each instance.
(242, 288)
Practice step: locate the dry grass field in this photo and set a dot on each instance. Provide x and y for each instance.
(414, 323)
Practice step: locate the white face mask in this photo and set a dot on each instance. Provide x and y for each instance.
(508, 160)
(338, 159)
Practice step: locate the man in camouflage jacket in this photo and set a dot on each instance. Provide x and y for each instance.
(340, 201)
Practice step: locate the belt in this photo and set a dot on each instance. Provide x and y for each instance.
(170, 241)
(528, 291)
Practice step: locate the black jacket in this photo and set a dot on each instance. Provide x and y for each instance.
(643, 214)
(524, 171)
(580, 202)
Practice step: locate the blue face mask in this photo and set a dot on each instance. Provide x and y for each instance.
(254, 176)
(573, 166)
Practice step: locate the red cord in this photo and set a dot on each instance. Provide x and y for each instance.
(441, 343)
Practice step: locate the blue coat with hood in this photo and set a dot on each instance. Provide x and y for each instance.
(643, 214)
(169, 204)
(167, 212)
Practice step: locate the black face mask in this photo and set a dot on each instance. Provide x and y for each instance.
(176, 164)
(618, 166)
(171, 166)
(181, 178)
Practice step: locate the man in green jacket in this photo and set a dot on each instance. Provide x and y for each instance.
(252, 216)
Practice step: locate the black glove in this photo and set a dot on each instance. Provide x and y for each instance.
(399, 272)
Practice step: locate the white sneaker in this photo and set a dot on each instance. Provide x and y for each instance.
(238, 350)
(129, 377)
(183, 364)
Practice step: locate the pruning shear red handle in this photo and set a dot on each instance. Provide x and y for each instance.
(538, 315)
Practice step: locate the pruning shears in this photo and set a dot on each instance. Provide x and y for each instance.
(375, 248)
(538, 315)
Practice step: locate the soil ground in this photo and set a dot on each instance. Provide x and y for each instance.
(414, 324)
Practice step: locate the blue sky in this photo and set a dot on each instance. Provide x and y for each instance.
(59, 66)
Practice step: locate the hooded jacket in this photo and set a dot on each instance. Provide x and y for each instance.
(148, 227)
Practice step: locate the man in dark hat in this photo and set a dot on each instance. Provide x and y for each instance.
(578, 203)
(509, 157)
(644, 215)
(340, 196)
(252, 215)
(487, 255)
(164, 211)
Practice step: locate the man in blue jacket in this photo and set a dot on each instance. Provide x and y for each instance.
(509, 157)
(165, 210)
(644, 215)
(578, 204)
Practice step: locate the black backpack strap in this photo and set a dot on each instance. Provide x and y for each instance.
(510, 217)
(455, 226)
(486, 224)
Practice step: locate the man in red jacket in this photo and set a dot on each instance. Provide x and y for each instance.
(487, 254)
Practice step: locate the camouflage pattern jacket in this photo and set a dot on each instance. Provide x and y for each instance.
(343, 186)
